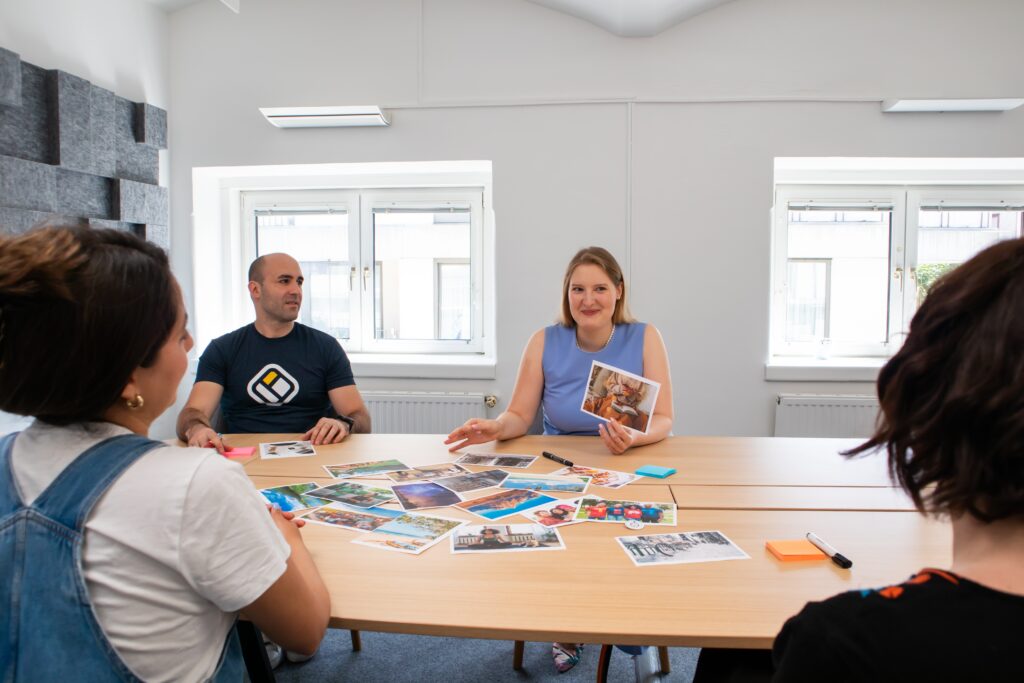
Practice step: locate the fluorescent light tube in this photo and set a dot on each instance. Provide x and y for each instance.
(994, 104)
(325, 117)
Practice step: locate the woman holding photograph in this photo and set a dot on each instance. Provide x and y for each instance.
(120, 553)
(595, 324)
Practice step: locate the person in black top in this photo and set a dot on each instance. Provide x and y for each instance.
(274, 375)
(952, 402)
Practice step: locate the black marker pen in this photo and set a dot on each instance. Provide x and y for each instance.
(830, 551)
(552, 456)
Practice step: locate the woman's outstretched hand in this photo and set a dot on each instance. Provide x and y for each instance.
(474, 431)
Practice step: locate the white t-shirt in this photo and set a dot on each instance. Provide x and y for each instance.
(176, 546)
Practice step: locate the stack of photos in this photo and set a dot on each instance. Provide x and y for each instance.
(546, 482)
(609, 479)
(505, 503)
(293, 497)
(614, 395)
(692, 546)
(593, 509)
(359, 495)
(286, 449)
(424, 494)
(559, 513)
(423, 472)
(348, 517)
(363, 469)
(501, 539)
(409, 533)
(497, 460)
(474, 481)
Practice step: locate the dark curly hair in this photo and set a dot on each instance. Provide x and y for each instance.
(952, 399)
(80, 309)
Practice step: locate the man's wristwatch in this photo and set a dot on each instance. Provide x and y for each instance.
(347, 420)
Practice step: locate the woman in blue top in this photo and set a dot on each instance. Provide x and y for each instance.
(595, 325)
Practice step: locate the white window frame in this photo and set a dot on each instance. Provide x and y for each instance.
(438, 262)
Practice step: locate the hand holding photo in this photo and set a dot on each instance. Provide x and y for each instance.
(692, 546)
(499, 539)
(614, 395)
(286, 449)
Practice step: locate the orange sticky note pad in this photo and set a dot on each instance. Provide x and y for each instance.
(791, 551)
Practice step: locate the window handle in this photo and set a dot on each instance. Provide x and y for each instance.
(913, 275)
(898, 275)
(352, 279)
(366, 276)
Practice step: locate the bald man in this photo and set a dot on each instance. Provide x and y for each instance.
(275, 375)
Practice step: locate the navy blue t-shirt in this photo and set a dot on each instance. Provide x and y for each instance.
(274, 385)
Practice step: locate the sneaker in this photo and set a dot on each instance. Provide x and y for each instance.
(565, 656)
(296, 658)
(274, 654)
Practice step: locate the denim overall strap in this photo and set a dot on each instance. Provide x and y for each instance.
(10, 501)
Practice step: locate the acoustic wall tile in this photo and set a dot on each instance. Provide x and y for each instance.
(16, 221)
(10, 78)
(150, 125)
(24, 130)
(83, 194)
(116, 225)
(159, 235)
(71, 121)
(102, 138)
(27, 185)
(134, 161)
(141, 203)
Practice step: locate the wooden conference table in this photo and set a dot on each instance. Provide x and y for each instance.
(750, 489)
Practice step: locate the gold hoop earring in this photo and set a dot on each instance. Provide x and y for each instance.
(135, 403)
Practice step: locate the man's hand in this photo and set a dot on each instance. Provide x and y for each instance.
(200, 435)
(326, 430)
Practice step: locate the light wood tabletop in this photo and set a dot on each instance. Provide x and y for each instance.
(591, 591)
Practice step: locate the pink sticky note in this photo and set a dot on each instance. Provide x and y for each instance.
(239, 452)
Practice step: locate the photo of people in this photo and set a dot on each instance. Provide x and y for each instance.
(424, 494)
(351, 493)
(423, 472)
(561, 513)
(497, 460)
(546, 482)
(286, 449)
(615, 395)
(293, 497)
(363, 469)
(505, 503)
(348, 517)
(692, 546)
(593, 509)
(410, 533)
(609, 479)
(510, 538)
(474, 481)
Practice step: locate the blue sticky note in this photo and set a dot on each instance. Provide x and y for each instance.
(656, 471)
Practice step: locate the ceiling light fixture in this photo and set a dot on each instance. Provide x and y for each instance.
(325, 117)
(954, 105)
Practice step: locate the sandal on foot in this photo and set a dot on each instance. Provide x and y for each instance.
(565, 658)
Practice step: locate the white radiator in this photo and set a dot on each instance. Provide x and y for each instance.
(831, 416)
(403, 412)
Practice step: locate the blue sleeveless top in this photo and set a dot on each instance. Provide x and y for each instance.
(567, 368)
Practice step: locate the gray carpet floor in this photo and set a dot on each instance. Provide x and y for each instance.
(397, 658)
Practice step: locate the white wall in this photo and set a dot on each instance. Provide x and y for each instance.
(571, 174)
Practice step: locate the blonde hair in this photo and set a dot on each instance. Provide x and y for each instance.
(601, 257)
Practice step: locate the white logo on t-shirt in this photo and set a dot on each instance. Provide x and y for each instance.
(272, 386)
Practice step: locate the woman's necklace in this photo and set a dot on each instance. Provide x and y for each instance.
(603, 346)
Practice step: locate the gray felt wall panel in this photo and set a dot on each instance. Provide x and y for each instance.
(10, 78)
(150, 125)
(141, 202)
(25, 130)
(71, 122)
(85, 195)
(134, 161)
(27, 185)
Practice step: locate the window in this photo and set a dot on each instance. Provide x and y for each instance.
(852, 264)
(387, 270)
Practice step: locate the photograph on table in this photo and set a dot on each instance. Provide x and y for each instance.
(505, 503)
(410, 533)
(349, 517)
(510, 460)
(491, 538)
(593, 509)
(614, 395)
(352, 493)
(545, 482)
(684, 548)
(609, 479)
(293, 497)
(474, 481)
(424, 472)
(420, 495)
(365, 469)
(286, 449)
(559, 513)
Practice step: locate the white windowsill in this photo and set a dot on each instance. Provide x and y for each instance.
(422, 366)
(802, 369)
